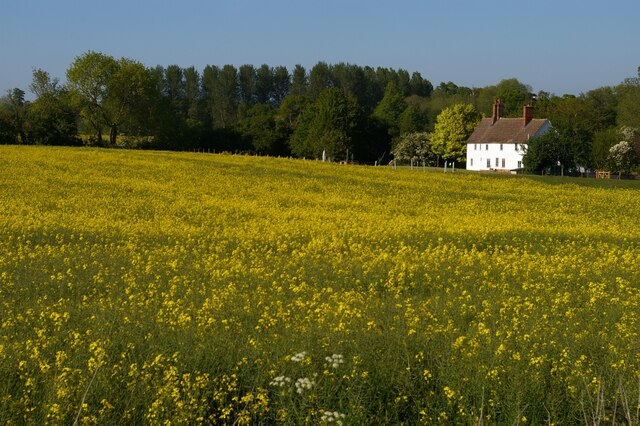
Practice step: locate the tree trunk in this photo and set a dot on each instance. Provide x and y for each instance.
(23, 137)
(113, 135)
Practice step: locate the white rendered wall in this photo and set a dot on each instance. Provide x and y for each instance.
(506, 156)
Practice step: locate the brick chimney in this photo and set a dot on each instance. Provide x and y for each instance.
(497, 111)
(527, 114)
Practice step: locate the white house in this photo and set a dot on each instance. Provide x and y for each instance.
(499, 143)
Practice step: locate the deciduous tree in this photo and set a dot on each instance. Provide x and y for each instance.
(247, 84)
(390, 108)
(299, 81)
(8, 133)
(130, 96)
(52, 118)
(622, 157)
(453, 127)
(413, 147)
(547, 151)
(221, 94)
(88, 78)
(514, 95)
(326, 125)
(281, 84)
(629, 104)
(603, 140)
(260, 128)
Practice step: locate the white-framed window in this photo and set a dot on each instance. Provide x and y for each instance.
(486, 147)
(519, 164)
(503, 163)
(475, 146)
(488, 163)
(501, 146)
(497, 162)
(471, 162)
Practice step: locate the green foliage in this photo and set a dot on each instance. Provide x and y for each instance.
(130, 96)
(513, 95)
(88, 78)
(413, 147)
(53, 120)
(453, 127)
(629, 102)
(115, 94)
(390, 108)
(320, 78)
(603, 140)
(411, 121)
(15, 113)
(178, 108)
(547, 151)
(8, 133)
(299, 81)
(604, 107)
(221, 94)
(259, 126)
(328, 124)
(420, 86)
(573, 119)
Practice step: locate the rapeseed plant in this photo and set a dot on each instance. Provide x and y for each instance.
(179, 282)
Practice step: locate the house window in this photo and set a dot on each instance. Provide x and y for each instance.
(488, 163)
(486, 147)
(500, 147)
(516, 145)
(475, 146)
(471, 162)
(497, 162)
(519, 164)
(503, 163)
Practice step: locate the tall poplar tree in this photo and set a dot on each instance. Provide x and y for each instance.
(221, 93)
(299, 81)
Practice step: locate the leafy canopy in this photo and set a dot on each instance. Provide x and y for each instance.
(453, 127)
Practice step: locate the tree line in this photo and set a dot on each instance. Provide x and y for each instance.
(342, 111)
(590, 130)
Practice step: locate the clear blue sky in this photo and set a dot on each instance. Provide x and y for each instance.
(560, 46)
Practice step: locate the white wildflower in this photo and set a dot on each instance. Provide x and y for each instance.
(334, 360)
(299, 357)
(332, 417)
(304, 384)
(280, 381)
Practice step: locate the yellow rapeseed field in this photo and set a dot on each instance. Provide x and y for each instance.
(182, 288)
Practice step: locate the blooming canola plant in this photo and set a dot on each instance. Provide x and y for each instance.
(149, 287)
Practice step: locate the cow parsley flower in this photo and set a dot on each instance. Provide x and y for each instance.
(303, 384)
(299, 357)
(334, 360)
(280, 381)
(332, 417)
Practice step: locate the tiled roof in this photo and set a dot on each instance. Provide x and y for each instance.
(506, 130)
